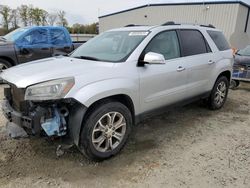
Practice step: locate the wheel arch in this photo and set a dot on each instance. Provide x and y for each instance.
(227, 74)
(122, 98)
(10, 60)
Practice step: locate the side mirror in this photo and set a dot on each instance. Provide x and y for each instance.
(154, 58)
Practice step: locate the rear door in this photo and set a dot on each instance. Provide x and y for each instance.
(199, 61)
(61, 43)
(163, 84)
(33, 45)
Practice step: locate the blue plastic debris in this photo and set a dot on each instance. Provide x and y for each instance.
(55, 126)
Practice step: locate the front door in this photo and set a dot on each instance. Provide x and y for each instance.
(34, 45)
(163, 84)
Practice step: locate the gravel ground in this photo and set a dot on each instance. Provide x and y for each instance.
(187, 147)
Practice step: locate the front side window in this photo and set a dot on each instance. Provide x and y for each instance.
(36, 37)
(193, 42)
(112, 46)
(165, 43)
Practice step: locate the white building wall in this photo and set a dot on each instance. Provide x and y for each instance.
(222, 16)
(240, 38)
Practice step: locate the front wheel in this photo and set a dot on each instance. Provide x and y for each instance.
(105, 130)
(234, 84)
(219, 93)
(4, 65)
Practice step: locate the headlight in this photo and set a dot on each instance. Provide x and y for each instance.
(50, 90)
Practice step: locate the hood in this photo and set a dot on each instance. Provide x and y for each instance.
(52, 68)
(4, 43)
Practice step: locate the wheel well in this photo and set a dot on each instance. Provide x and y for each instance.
(122, 98)
(227, 74)
(11, 61)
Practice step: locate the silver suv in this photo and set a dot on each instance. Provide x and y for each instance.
(94, 96)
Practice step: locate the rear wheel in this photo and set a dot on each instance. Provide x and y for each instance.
(105, 130)
(219, 93)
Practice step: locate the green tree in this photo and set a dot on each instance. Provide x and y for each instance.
(23, 11)
(14, 19)
(5, 12)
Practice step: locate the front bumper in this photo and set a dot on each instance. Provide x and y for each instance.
(29, 123)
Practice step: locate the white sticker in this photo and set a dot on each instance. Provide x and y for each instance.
(138, 33)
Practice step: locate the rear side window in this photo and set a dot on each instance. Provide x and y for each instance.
(219, 40)
(58, 37)
(192, 42)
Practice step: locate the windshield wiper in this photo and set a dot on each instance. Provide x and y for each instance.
(87, 57)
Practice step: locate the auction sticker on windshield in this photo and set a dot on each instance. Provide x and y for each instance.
(139, 33)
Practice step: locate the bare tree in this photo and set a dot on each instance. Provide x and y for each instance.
(5, 11)
(44, 17)
(62, 21)
(52, 19)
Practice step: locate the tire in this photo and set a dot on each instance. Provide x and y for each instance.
(4, 64)
(234, 84)
(95, 137)
(219, 93)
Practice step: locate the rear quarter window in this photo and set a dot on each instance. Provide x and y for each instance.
(58, 37)
(219, 40)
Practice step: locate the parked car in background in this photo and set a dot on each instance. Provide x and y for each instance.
(242, 57)
(115, 80)
(31, 43)
(241, 67)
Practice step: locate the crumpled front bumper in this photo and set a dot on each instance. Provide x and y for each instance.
(31, 123)
(26, 122)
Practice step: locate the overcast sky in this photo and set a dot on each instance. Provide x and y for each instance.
(86, 11)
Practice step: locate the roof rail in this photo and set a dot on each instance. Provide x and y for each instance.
(170, 23)
(209, 25)
(132, 25)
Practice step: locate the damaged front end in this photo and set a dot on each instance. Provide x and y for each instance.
(53, 118)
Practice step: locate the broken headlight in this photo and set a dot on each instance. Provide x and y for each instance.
(50, 90)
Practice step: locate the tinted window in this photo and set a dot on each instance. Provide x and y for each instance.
(193, 42)
(219, 40)
(58, 37)
(165, 43)
(35, 37)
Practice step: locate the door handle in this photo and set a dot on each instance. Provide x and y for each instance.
(180, 69)
(210, 62)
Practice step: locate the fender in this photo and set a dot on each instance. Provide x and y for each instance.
(96, 91)
(221, 66)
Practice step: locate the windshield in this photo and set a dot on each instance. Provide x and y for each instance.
(12, 36)
(245, 51)
(113, 46)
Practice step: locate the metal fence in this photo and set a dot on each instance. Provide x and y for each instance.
(81, 37)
